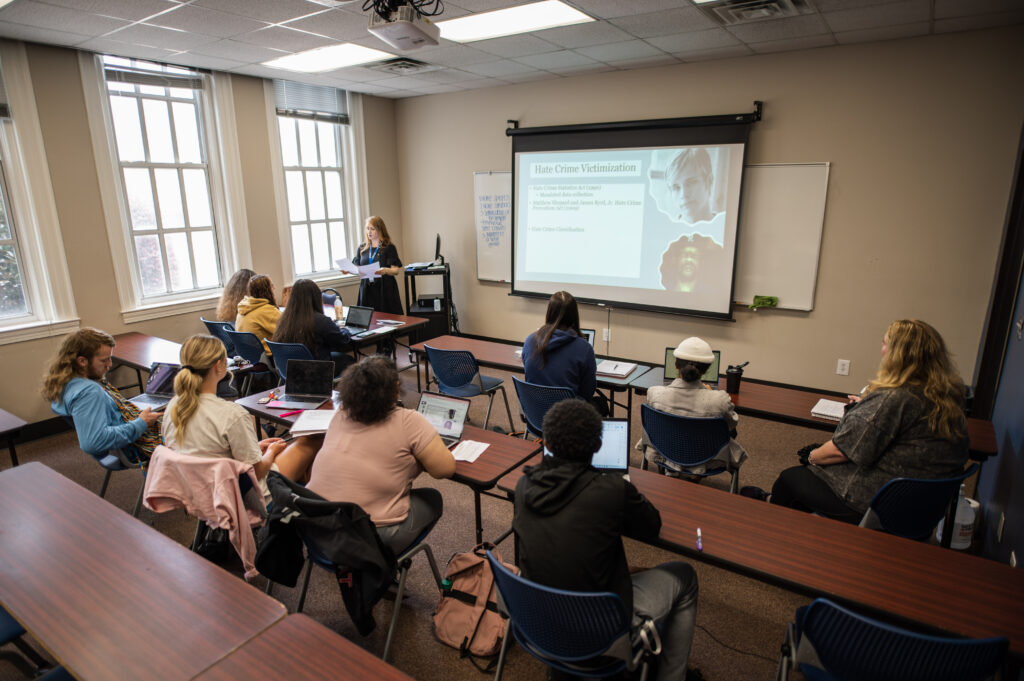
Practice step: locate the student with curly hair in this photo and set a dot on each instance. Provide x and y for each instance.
(234, 291)
(375, 449)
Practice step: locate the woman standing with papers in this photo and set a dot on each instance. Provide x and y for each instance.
(380, 293)
(909, 423)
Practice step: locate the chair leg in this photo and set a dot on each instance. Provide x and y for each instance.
(490, 402)
(504, 396)
(138, 502)
(734, 486)
(103, 487)
(269, 587)
(504, 649)
(403, 572)
(197, 538)
(305, 585)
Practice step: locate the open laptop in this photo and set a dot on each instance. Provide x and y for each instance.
(710, 377)
(613, 457)
(447, 414)
(159, 387)
(308, 385)
(358, 321)
(590, 335)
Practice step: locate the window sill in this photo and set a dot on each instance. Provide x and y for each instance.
(34, 330)
(145, 313)
(333, 280)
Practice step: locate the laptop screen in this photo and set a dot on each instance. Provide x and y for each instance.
(446, 414)
(309, 377)
(161, 379)
(359, 317)
(710, 376)
(589, 334)
(614, 452)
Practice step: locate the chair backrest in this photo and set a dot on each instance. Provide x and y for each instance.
(329, 295)
(559, 626)
(686, 440)
(537, 399)
(852, 647)
(453, 368)
(286, 351)
(247, 345)
(912, 507)
(217, 330)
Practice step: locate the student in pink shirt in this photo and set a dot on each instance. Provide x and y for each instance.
(374, 450)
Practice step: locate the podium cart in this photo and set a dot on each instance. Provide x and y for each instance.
(436, 307)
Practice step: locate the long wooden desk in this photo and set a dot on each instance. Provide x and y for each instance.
(10, 425)
(110, 597)
(872, 571)
(298, 648)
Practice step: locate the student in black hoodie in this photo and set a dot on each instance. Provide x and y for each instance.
(570, 519)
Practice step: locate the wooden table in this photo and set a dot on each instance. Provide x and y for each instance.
(9, 427)
(110, 597)
(139, 351)
(408, 325)
(298, 648)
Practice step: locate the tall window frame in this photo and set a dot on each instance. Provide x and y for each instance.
(165, 260)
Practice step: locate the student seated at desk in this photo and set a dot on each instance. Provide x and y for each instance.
(257, 311)
(909, 423)
(304, 321)
(688, 396)
(556, 354)
(570, 519)
(199, 423)
(76, 386)
(234, 291)
(374, 450)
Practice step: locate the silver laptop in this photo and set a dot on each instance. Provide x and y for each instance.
(590, 335)
(447, 414)
(358, 321)
(308, 384)
(159, 387)
(710, 377)
(613, 457)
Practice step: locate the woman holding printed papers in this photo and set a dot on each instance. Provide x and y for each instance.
(556, 354)
(909, 423)
(380, 293)
(373, 451)
(199, 423)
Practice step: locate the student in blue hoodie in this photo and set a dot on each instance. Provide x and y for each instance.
(557, 354)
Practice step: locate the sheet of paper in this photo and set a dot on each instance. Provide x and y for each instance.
(313, 421)
(469, 450)
(369, 271)
(346, 265)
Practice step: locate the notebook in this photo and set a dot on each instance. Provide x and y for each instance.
(308, 385)
(358, 321)
(590, 335)
(159, 387)
(832, 410)
(613, 457)
(710, 377)
(446, 414)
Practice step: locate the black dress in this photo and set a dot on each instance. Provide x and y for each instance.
(382, 293)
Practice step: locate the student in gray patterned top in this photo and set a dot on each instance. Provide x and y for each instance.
(909, 423)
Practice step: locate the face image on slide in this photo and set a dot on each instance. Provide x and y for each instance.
(689, 180)
(688, 261)
(687, 191)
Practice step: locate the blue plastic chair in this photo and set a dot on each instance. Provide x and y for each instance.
(536, 400)
(687, 441)
(912, 507)
(249, 347)
(12, 632)
(286, 351)
(459, 375)
(217, 330)
(113, 461)
(582, 633)
(827, 642)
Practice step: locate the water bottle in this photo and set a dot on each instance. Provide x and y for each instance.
(963, 528)
(339, 311)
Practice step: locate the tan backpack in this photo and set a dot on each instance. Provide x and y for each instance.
(467, 615)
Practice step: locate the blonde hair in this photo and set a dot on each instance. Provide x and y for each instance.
(234, 291)
(82, 343)
(198, 355)
(377, 223)
(917, 357)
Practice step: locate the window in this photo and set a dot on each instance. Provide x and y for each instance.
(314, 132)
(157, 115)
(13, 299)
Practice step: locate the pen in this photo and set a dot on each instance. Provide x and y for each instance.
(700, 544)
(291, 413)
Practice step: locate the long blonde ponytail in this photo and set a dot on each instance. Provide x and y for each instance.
(198, 356)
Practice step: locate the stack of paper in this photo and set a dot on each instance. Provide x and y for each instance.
(829, 409)
(617, 369)
(313, 422)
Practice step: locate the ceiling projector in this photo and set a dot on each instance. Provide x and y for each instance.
(404, 28)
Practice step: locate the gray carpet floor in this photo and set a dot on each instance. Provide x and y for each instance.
(741, 621)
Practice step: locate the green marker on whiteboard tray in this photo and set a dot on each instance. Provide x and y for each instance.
(764, 301)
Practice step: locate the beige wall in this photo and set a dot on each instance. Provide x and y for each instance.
(921, 134)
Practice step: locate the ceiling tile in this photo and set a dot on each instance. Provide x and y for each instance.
(207, 21)
(132, 10)
(59, 18)
(243, 52)
(529, 77)
(715, 53)
(583, 70)
(274, 11)
(779, 29)
(204, 62)
(358, 74)
(556, 60)
(582, 35)
(836, 5)
(879, 16)
(158, 36)
(120, 49)
(607, 9)
(946, 9)
(971, 23)
(515, 46)
(287, 39)
(631, 49)
(438, 89)
(371, 89)
(664, 23)
(473, 6)
(804, 43)
(35, 34)
(337, 24)
(479, 83)
(694, 40)
(447, 76)
(453, 55)
(406, 83)
(868, 35)
(648, 63)
(499, 69)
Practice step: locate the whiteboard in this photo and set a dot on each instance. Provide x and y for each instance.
(492, 202)
(781, 220)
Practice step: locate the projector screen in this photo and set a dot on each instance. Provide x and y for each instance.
(640, 217)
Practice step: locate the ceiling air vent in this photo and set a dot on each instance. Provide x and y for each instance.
(730, 12)
(403, 66)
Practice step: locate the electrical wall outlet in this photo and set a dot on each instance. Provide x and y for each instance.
(843, 367)
(606, 335)
(999, 529)
(1013, 559)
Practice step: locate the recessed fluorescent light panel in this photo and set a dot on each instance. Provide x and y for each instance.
(328, 58)
(522, 19)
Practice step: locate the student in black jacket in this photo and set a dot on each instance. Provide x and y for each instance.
(303, 321)
(570, 520)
